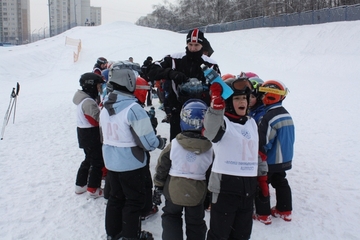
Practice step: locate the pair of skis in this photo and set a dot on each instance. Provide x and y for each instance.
(12, 106)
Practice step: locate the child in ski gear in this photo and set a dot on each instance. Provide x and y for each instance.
(177, 69)
(236, 166)
(100, 65)
(276, 141)
(90, 172)
(256, 105)
(127, 137)
(181, 176)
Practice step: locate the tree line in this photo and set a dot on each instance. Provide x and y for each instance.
(187, 14)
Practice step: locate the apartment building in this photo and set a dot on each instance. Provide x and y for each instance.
(65, 14)
(95, 15)
(15, 21)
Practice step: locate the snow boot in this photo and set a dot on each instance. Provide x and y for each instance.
(285, 215)
(265, 219)
(95, 192)
(79, 189)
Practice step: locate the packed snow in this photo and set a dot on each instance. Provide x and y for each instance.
(40, 155)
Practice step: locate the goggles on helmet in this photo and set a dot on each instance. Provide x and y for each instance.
(241, 86)
(272, 89)
(102, 60)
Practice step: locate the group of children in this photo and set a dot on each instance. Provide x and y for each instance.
(233, 148)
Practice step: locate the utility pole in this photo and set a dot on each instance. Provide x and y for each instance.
(75, 13)
(49, 3)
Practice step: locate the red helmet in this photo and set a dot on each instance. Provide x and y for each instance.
(141, 89)
(274, 91)
(227, 76)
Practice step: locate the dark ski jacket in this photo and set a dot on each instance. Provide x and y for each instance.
(188, 63)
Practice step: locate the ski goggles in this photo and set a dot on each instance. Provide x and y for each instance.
(241, 86)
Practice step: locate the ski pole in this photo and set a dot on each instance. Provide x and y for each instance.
(12, 104)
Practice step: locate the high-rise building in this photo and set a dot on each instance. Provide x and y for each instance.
(95, 16)
(65, 14)
(15, 21)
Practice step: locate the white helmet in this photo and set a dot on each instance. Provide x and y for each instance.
(122, 76)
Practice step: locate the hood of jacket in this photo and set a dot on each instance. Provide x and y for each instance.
(117, 101)
(194, 142)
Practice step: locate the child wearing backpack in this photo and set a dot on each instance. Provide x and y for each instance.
(181, 176)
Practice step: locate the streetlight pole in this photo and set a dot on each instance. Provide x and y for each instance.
(39, 33)
(49, 3)
(45, 31)
(32, 35)
(75, 13)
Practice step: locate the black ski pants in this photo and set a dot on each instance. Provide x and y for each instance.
(175, 128)
(172, 222)
(148, 187)
(231, 218)
(90, 170)
(126, 201)
(283, 195)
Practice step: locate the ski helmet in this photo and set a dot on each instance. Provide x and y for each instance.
(274, 91)
(256, 83)
(251, 74)
(241, 86)
(101, 60)
(192, 87)
(89, 81)
(122, 76)
(227, 76)
(141, 89)
(192, 115)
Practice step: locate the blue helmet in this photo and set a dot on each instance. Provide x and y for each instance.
(192, 115)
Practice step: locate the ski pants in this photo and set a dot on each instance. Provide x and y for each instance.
(90, 170)
(172, 222)
(283, 195)
(126, 201)
(231, 217)
(175, 128)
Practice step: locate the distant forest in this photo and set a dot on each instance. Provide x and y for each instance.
(188, 14)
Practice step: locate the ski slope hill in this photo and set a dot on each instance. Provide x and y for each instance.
(40, 156)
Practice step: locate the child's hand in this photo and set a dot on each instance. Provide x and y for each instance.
(217, 102)
(157, 195)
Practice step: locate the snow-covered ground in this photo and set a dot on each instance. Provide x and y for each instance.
(39, 155)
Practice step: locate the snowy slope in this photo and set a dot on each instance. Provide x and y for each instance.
(39, 154)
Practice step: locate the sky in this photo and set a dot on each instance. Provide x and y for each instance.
(111, 10)
(40, 155)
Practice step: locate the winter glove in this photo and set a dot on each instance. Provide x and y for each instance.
(151, 112)
(217, 102)
(263, 185)
(162, 142)
(158, 191)
(178, 77)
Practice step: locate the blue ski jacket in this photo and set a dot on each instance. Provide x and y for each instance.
(277, 137)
